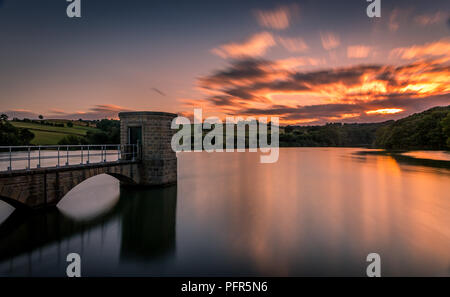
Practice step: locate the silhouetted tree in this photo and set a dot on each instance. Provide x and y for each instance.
(10, 135)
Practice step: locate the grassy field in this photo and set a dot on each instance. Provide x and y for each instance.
(49, 135)
(46, 138)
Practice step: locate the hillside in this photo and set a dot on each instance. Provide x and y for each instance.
(426, 130)
(50, 135)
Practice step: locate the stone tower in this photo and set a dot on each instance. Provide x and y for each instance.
(151, 130)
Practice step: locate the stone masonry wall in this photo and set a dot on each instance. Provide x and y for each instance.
(158, 160)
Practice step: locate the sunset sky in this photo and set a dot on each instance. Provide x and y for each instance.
(308, 62)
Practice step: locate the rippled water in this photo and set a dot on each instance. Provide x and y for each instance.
(316, 211)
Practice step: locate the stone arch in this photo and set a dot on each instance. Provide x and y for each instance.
(16, 204)
(46, 187)
(124, 178)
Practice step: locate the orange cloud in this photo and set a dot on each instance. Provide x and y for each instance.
(294, 62)
(278, 18)
(101, 111)
(355, 93)
(358, 51)
(56, 111)
(437, 48)
(329, 40)
(293, 45)
(256, 45)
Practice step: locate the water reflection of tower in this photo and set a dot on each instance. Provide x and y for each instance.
(148, 223)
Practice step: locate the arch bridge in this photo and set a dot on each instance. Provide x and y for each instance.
(143, 158)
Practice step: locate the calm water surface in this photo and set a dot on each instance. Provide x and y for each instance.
(316, 212)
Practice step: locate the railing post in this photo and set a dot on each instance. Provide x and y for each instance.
(118, 152)
(104, 154)
(88, 154)
(67, 156)
(81, 155)
(29, 160)
(39, 158)
(58, 157)
(139, 150)
(10, 159)
(132, 149)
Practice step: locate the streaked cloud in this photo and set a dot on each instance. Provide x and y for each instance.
(20, 113)
(57, 111)
(238, 73)
(358, 51)
(307, 72)
(393, 20)
(278, 18)
(295, 62)
(256, 45)
(102, 111)
(343, 112)
(158, 91)
(329, 40)
(431, 19)
(431, 49)
(97, 113)
(353, 93)
(293, 44)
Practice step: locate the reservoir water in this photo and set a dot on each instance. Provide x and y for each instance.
(315, 212)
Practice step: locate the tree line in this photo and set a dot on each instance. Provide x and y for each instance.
(331, 134)
(41, 122)
(426, 130)
(10, 135)
(109, 134)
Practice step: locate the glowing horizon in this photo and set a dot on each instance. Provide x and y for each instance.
(385, 111)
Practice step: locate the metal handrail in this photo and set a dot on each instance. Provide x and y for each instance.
(64, 146)
(122, 151)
